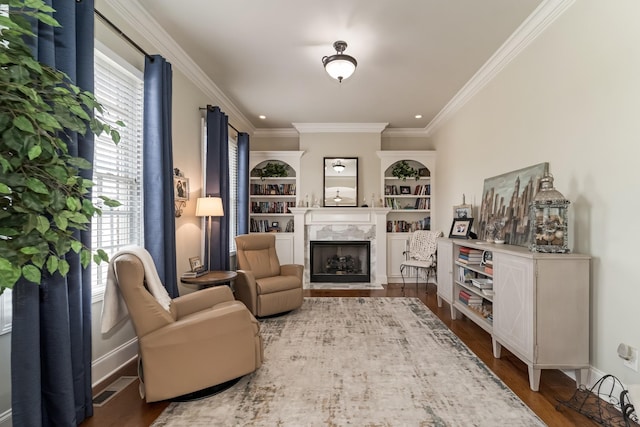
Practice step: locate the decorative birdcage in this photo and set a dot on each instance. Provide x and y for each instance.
(548, 219)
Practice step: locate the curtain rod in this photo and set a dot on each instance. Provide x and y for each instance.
(228, 124)
(122, 34)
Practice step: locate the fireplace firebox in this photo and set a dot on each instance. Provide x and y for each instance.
(340, 261)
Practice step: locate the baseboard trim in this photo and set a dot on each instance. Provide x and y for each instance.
(113, 361)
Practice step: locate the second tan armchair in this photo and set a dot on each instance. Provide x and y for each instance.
(263, 285)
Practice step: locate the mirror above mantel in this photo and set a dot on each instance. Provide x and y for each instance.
(340, 181)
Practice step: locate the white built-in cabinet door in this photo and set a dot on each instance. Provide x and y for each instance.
(397, 244)
(284, 248)
(513, 304)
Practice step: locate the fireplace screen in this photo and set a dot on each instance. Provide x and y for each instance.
(340, 261)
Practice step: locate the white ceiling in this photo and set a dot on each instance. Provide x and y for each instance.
(413, 55)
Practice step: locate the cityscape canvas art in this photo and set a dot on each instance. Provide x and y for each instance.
(504, 211)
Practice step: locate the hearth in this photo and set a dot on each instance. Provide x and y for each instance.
(340, 261)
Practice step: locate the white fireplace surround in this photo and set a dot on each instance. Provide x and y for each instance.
(342, 224)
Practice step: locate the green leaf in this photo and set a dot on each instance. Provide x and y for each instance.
(52, 264)
(34, 152)
(9, 274)
(85, 257)
(61, 222)
(22, 123)
(4, 189)
(47, 19)
(73, 203)
(43, 224)
(110, 202)
(76, 245)
(103, 255)
(63, 267)
(30, 250)
(79, 163)
(37, 186)
(31, 273)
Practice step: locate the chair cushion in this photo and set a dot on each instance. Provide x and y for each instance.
(417, 263)
(262, 262)
(268, 285)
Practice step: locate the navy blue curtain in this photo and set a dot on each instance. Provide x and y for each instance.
(243, 183)
(217, 184)
(51, 330)
(157, 169)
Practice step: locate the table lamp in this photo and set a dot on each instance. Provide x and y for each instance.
(209, 207)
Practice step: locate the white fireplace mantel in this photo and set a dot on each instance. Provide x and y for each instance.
(306, 219)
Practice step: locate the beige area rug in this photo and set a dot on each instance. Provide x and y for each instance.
(360, 362)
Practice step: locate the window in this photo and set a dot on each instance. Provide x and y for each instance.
(233, 194)
(6, 312)
(117, 169)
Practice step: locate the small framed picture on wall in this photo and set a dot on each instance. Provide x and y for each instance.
(181, 188)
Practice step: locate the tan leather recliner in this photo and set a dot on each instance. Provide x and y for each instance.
(206, 339)
(263, 285)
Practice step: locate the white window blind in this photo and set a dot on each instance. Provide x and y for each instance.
(6, 312)
(117, 169)
(233, 194)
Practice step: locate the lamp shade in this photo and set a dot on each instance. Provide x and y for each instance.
(340, 66)
(209, 206)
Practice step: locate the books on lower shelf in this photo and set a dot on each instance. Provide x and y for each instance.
(469, 299)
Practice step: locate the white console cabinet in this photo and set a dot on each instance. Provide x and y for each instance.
(539, 307)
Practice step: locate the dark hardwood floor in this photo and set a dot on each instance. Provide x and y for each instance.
(128, 409)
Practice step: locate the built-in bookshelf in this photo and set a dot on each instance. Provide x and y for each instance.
(271, 197)
(409, 197)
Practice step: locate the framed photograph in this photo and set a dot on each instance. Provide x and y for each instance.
(462, 211)
(405, 189)
(181, 188)
(195, 263)
(424, 172)
(460, 228)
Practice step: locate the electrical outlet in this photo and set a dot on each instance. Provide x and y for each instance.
(632, 363)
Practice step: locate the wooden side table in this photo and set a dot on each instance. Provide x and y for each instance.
(212, 278)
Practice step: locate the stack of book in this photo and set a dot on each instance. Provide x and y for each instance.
(482, 282)
(467, 298)
(193, 274)
(469, 256)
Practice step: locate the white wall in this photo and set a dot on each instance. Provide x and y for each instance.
(572, 98)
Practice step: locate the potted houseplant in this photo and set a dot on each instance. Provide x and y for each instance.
(43, 197)
(403, 171)
(273, 170)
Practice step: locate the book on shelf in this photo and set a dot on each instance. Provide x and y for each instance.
(488, 292)
(482, 282)
(488, 269)
(466, 250)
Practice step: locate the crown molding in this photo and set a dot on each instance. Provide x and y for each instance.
(340, 127)
(405, 133)
(138, 18)
(544, 15)
(275, 133)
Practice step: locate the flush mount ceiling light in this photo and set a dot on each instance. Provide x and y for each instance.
(340, 66)
(338, 166)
